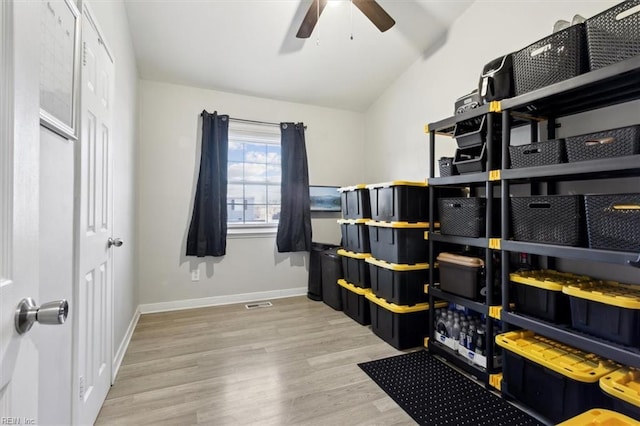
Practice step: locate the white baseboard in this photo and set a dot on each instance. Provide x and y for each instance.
(176, 305)
(122, 349)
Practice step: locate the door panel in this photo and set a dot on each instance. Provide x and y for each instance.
(94, 330)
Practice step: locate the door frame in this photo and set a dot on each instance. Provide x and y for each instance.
(86, 18)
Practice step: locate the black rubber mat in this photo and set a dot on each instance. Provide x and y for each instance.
(434, 394)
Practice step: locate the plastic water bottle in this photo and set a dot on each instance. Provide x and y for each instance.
(462, 339)
(471, 337)
(455, 330)
(449, 324)
(441, 323)
(480, 342)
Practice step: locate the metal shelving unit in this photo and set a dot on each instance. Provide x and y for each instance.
(465, 241)
(591, 91)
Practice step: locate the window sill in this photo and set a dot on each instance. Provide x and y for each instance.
(252, 232)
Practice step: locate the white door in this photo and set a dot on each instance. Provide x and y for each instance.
(20, 374)
(94, 354)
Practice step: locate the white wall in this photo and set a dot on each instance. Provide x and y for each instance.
(427, 90)
(112, 19)
(168, 164)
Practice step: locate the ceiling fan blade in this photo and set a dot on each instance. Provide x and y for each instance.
(310, 19)
(375, 13)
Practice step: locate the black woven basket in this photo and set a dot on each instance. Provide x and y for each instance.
(446, 167)
(462, 216)
(613, 221)
(612, 40)
(553, 219)
(538, 154)
(609, 143)
(555, 58)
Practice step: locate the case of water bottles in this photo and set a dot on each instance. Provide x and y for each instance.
(463, 331)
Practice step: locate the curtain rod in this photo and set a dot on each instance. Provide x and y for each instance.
(263, 123)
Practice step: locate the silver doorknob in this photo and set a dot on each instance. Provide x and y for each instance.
(114, 242)
(27, 313)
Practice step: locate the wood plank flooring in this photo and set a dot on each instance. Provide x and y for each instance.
(290, 364)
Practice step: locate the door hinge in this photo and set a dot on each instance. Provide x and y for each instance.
(84, 53)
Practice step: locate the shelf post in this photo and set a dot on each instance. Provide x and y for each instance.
(504, 207)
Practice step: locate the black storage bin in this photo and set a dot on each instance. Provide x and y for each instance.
(355, 269)
(606, 309)
(496, 80)
(331, 273)
(472, 132)
(613, 221)
(355, 235)
(467, 102)
(464, 217)
(471, 160)
(539, 294)
(555, 380)
(355, 202)
(315, 270)
(538, 154)
(612, 40)
(446, 167)
(399, 284)
(462, 275)
(398, 242)
(552, 59)
(403, 327)
(622, 387)
(399, 201)
(354, 302)
(552, 219)
(606, 144)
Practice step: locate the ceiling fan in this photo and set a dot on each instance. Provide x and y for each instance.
(370, 8)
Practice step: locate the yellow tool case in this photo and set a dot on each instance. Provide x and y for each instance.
(554, 379)
(600, 417)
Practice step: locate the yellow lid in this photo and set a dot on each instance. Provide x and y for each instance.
(396, 266)
(396, 183)
(352, 188)
(354, 289)
(352, 221)
(343, 252)
(546, 279)
(570, 362)
(413, 225)
(402, 309)
(623, 384)
(607, 292)
(600, 417)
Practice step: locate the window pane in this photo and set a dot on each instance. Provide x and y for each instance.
(235, 213)
(255, 194)
(235, 192)
(273, 194)
(274, 173)
(236, 151)
(235, 172)
(256, 213)
(255, 153)
(273, 154)
(255, 172)
(273, 214)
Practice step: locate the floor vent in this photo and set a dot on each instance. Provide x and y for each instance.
(258, 305)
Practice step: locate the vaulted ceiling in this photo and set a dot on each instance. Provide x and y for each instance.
(249, 46)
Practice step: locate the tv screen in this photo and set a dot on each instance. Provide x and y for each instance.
(324, 198)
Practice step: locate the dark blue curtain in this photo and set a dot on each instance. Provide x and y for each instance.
(208, 230)
(294, 227)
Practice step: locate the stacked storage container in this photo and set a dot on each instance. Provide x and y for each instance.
(356, 211)
(398, 266)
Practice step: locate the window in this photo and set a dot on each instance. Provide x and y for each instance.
(254, 175)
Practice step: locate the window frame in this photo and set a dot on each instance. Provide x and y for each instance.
(256, 134)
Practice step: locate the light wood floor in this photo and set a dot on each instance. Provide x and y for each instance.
(290, 364)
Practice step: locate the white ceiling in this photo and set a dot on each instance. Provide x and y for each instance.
(249, 46)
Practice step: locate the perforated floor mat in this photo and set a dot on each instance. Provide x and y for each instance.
(435, 395)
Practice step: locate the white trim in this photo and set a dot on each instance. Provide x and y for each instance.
(178, 305)
(122, 349)
(6, 141)
(247, 231)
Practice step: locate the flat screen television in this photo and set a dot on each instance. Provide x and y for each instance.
(324, 198)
